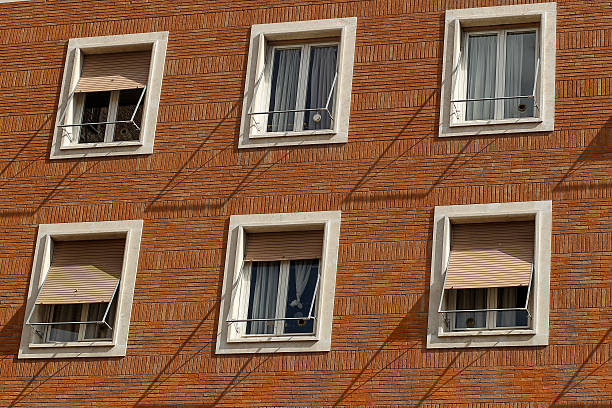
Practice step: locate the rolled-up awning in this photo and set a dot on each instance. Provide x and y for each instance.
(286, 245)
(116, 71)
(83, 272)
(490, 255)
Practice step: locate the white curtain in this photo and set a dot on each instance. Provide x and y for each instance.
(302, 275)
(320, 79)
(470, 299)
(520, 73)
(283, 91)
(481, 76)
(65, 332)
(262, 299)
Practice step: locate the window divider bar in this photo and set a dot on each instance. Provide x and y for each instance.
(443, 290)
(270, 319)
(65, 109)
(331, 90)
(110, 302)
(96, 123)
(486, 310)
(138, 104)
(239, 282)
(314, 295)
(55, 323)
(530, 283)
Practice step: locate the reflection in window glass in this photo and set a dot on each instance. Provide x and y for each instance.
(320, 80)
(471, 299)
(128, 100)
(262, 297)
(64, 332)
(300, 294)
(95, 109)
(520, 74)
(512, 298)
(284, 88)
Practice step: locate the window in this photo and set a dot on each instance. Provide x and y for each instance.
(499, 84)
(82, 281)
(490, 275)
(279, 283)
(298, 84)
(498, 71)
(302, 82)
(110, 95)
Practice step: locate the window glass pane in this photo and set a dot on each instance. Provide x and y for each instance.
(283, 89)
(321, 74)
(96, 313)
(262, 297)
(128, 99)
(300, 294)
(481, 76)
(510, 298)
(95, 109)
(520, 74)
(469, 299)
(65, 332)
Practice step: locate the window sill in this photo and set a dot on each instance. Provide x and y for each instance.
(264, 339)
(496, 122)
(266, 135)
(73, 344)
(503, 332)
(100, 145)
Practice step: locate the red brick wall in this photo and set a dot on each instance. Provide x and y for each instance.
(386, 181)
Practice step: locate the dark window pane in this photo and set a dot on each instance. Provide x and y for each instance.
(128, 100)
(512, 298)
(300, 294)
(95, 109)
(520, 74)
(262, 297)
(321, 73)
(96, 313)
(65, 332)
(471, 299)
(283, 89)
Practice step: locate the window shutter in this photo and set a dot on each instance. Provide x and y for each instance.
(112, 72)
(275, 246)
(83, 272)
(490, 255)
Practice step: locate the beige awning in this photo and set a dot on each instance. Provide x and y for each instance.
(112, 72)
(490, 255)
(276, 246)
(83, 272)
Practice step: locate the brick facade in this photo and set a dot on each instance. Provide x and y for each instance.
(386, 181)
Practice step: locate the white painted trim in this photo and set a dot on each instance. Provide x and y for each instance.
(321, 341)
(132, 231)
(545, 15)
(541, 212)
(345, 28)
(157, 42)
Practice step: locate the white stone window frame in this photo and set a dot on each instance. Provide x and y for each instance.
(542, 16)
(256, 93)
(537, 334)
(229, 341)
(132, 231)
(63, 147)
